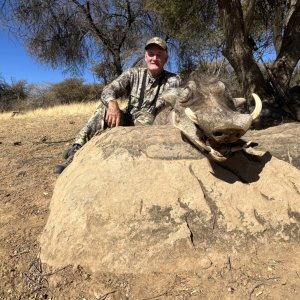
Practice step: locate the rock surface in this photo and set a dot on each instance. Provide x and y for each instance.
(281, 141)
(139, 199)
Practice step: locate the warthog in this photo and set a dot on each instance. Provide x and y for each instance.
(206, 114)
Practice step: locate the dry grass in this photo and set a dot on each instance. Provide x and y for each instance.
(86, 108)
(74, 109)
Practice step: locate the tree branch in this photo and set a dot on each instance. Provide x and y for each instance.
(85, 10)
(130, 20)
(248, 19)
(290, 12)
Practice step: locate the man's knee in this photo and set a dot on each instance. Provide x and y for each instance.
(143, 118)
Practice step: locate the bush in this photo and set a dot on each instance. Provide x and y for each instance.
(12, 96)
(71, 90)
(21, 96)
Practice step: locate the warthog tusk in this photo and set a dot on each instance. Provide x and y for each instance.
(258, 107)
(216, 155)
(238, 101)
(239, 148)
(191, 115)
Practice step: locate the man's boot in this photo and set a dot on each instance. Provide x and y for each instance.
(68, 155)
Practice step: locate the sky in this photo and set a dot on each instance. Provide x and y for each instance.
(16, 64)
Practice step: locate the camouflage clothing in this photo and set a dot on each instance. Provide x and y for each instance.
(141, 109)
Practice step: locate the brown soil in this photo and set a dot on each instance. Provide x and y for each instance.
(29, 148)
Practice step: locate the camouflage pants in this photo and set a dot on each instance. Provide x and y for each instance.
(97, 123)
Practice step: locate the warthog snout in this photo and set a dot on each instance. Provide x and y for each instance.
(227, 135)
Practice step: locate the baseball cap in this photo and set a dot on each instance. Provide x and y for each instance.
(157, 41)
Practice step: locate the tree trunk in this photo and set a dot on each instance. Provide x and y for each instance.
(289, 54)
(117, 62)
(238, 50)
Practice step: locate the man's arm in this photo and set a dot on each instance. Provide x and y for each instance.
(117, 88)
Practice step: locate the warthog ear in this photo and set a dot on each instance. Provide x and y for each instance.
(218, 87)
(221, 86)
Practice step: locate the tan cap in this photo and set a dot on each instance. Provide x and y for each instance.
(157, 41)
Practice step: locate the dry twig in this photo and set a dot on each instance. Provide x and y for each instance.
(254, 288)
(103, 297)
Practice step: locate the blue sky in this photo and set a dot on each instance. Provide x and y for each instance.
(16, 64)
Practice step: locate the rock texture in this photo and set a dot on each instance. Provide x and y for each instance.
(139, 199)
(281, 141)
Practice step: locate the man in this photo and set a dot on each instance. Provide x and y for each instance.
(143, 87)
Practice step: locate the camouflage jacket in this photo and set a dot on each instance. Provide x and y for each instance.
(130, 83)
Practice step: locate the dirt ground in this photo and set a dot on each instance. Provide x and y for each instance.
(29, 148)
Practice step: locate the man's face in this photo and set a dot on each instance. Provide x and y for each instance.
(155, 57)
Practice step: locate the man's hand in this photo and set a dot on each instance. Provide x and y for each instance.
(114, 114)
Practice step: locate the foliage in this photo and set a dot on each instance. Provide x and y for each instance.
(192, 28)
(72, 33)
(104, 71)
(71, 90)
(12, 94)
(197, 28)
(21, 96)
(270, 17)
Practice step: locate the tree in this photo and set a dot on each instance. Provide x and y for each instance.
(12, 95)
(71, 33)
(243, 31)
(191, 28)
(73, 90)
(5, 94)
(238, 50)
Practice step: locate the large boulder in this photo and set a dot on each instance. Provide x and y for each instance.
(281, 141)
(140, 199)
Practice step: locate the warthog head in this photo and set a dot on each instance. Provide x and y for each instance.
(206, 114)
